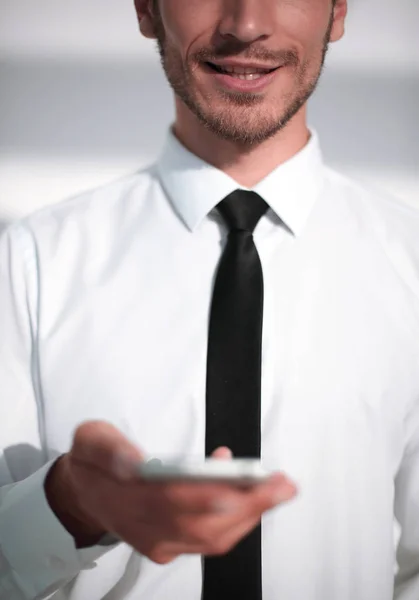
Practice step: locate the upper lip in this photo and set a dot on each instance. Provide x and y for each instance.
(240, 63)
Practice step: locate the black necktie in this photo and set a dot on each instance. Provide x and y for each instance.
(234, 381)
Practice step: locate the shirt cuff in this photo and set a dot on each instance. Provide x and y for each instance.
(41, 554)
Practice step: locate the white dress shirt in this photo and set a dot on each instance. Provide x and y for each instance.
(104, 304)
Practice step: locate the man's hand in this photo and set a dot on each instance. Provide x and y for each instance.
(94, 490)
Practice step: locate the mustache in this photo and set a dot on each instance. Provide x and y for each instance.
(234, 48)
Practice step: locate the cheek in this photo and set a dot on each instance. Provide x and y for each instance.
(189, 24)
(304, 24)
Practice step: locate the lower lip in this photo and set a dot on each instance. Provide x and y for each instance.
(245, 85)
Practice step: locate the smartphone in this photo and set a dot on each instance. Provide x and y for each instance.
(238, 471)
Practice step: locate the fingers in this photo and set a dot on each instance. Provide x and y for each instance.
(222, 453)
(194, 498)
(277, 490)
(185, 498)
(226, 498)
(244, 508)
(216, 533)
(218, 516)
(164, 520)
(229, 538)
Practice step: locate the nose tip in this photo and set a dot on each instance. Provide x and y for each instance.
(245, 35)
(246, 21)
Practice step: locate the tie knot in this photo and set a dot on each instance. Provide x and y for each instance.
(242, 210)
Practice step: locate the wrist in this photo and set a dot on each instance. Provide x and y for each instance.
(64, 502)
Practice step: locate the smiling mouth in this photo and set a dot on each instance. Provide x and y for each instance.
(244, 73)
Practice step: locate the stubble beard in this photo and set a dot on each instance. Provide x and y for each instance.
(239, 121)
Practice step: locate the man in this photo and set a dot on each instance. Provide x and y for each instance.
(131, 327)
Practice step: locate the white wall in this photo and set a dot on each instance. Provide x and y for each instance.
(83, 100)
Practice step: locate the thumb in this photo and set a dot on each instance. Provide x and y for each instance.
(101, 445)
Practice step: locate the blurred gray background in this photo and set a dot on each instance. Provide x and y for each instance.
(83, 99)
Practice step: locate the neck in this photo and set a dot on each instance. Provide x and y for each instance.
(247, 166)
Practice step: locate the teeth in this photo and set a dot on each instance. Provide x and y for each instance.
(244, 70)
(248, 76)
(244, 73)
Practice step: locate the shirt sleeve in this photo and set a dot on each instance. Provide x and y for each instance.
(407, 512)
(37, 554)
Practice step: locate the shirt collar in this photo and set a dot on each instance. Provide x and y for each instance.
(196, 187)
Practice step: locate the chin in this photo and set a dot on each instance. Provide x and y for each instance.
(239, 130)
